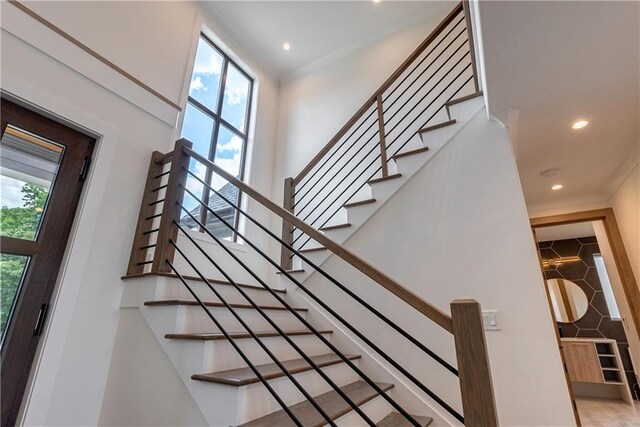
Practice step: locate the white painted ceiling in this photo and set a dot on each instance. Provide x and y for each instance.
(318, 31)
(556, 62)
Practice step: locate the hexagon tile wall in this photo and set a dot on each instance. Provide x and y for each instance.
(596, 322)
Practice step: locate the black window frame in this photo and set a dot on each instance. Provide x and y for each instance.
(218, 120)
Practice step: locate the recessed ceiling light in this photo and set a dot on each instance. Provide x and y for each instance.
(376, 1)
(579, 124)
(286, 46)
(557, 187)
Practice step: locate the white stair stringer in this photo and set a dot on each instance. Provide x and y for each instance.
(407, 166)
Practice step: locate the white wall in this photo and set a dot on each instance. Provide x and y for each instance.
(70, 374)
(315, 106)
(459, 229)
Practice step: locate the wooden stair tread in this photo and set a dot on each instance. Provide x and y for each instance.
(216, 336)
(409, 153)
(438, 126)
(463, 98)
(199, 279)
(296, 270)
(359, 203)
(170, 302)
(384, 178)
(243, 376)
(331, 402)
(305, 250)
(394, 419)
(335, 227)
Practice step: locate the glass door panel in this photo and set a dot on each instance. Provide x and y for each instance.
(28, 168)
(12, 271)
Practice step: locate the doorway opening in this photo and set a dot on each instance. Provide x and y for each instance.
(43, 165)
(593, 300)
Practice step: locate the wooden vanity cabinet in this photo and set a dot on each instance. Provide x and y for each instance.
(596, 362)
(582, 362)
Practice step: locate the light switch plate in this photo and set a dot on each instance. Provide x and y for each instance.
(490, 320)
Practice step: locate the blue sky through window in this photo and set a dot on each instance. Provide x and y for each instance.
(200, 124)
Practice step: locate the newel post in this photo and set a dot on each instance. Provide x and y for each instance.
(286, 261)
(478, 401)
(171, 211)
(383, 142)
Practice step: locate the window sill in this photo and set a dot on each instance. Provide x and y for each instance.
(204, 238)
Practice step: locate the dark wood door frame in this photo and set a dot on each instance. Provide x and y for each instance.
(629, 284)
(46, 251)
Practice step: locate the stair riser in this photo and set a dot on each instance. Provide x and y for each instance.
(231, 267)
(155, 288)
(169, 288)
(195, 319)
(315, 257)
(376, 409)
(255, 400)
(200, 356)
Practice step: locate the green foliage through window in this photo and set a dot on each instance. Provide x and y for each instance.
(20, 223)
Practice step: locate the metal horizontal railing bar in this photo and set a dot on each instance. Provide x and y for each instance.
(315, 267)
(237, 348)
(427, 56)
(432, 116)
(240, 320)
(148, 247)
(416, 53)
(151, 231)
(377, 349)
(164, 173)
(302, 185)
(299, 212)
(326, 161)
(153, 216)
(367, 168)
(305, 218)
(333, 152)
(344, 165)
(156, 202)
(424, 71)
(305, 323)
(415, 301)
(159, 188)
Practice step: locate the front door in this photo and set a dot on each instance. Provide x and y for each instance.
(42, 168)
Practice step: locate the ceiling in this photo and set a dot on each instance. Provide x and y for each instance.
(318, 31)
(556, 62)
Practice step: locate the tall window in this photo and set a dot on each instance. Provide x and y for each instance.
(216, 121)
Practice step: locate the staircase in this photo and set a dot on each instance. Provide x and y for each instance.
(378, 191)
(252, 354)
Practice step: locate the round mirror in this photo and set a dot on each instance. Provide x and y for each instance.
(569, 301)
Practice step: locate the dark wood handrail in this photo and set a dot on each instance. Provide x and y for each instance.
(432, 312)
(372, 100)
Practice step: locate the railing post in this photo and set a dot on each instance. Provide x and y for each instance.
(478, 401)
(140, 239)
(383, 143)
(286, 261)
(467, 16)
(171, 210)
